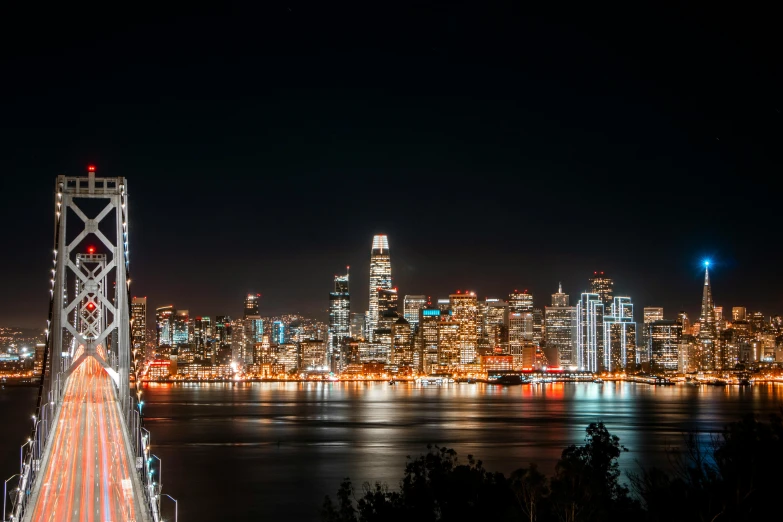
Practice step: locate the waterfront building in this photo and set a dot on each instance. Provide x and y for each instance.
(590, 332)
(287, 355)
(464, 310)
(620, 336)
(411, 306)
(314, 355)
(380, 279)
(560, 321)
(665, 337)
(339, 320)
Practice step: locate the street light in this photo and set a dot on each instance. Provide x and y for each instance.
(175, 504)
(160, 468)
(5, 492)
(21, 454)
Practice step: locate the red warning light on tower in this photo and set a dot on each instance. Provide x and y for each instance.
(90, 249)
(90, 306)
(90, 168)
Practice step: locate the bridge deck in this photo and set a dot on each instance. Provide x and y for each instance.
(87, 474)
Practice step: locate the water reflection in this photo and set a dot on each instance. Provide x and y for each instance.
(244, 451)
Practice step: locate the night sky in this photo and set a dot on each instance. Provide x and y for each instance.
(263, 149)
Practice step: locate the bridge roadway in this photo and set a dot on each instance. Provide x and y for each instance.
(87, 470)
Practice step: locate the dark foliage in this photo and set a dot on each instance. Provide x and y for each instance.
(737, 477)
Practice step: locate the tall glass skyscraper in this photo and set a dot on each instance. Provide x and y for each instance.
(411, 306)
(589, 332)
(560, 320)
(339, 320)
(380, 279)
(620, 336)
(707, 327)
(252, 326)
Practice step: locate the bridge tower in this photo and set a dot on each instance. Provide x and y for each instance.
(89, 311)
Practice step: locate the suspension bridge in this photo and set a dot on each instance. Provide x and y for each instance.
(88, 456)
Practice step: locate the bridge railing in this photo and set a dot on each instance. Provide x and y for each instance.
(32, 451)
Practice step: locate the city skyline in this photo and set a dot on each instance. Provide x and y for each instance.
(541, 293)
(505, 164)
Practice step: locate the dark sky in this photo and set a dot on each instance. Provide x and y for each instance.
(498, 151)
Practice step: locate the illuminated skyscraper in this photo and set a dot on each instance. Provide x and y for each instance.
(253, 328)
(494, 325)
(664, 339)
(358, 326)
(163, 326)
(380, 279)
(202, 337)
(590, 333)
(179, 330)
(411, 306)
(278, 333)
(649, 315)
(427, 338)
(387, 308)
(603, 286)
(707, 331)
(138, 311)
(520, 302)
(448, 343)
(560, 320)
(620, 336)
(402, 348)
(221, 335)
(339, 320)
(464, 309)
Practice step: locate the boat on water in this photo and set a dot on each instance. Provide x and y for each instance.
(718, 382)
(598, 380)
(509, 380)
(392, 383)
(744, 382)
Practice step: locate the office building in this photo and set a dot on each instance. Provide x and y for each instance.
(494, 331)
(180, 323)
(252, 327)
(339, 320)
(448, 343)
(358, 325)
(560, 321)
(138, 312)
(520, 302)
(314, 355)
(278, 332)
(427, 338)
(590, 332)
(380, 279)
(412, 304)
(464, 310)
(603, 286)
(739, 313)
(163, 325)
(665, 338)
(620, 336)
(402, 349)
